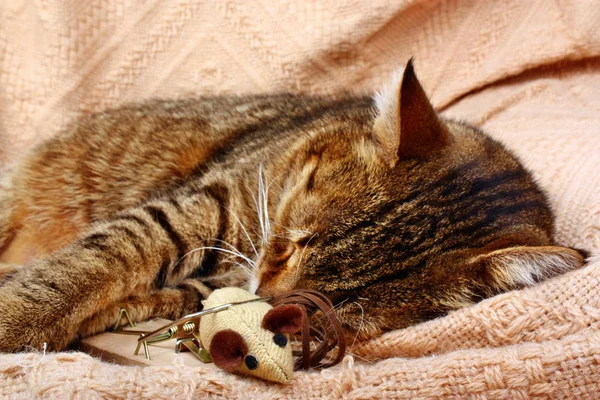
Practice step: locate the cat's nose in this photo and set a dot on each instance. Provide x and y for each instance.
(264, 291)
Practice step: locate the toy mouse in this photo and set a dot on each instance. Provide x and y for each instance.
(245, 334)
(251, 338)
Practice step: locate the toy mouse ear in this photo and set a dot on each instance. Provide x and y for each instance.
(286, 318)
(228, 349)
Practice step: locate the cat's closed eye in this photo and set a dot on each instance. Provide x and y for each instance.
(284, 254)
(285, 248)
(303, 240)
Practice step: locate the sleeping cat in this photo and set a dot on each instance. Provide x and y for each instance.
(398, 217)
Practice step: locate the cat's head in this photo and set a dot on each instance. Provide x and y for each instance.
(388, 215)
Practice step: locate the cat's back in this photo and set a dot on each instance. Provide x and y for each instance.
(108, 161)
(174, 125)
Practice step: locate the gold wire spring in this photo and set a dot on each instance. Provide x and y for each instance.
(188, 327)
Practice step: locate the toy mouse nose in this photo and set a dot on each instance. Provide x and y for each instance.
(228, 349)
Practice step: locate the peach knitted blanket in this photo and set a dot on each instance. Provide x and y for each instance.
(527, 72)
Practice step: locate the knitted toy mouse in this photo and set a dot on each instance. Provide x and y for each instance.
(246, 334)
(250, 338)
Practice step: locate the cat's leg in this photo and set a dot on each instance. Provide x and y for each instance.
(169, 303)
(139, 250)
(17, 245)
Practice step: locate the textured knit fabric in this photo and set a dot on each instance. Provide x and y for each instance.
(528, 72)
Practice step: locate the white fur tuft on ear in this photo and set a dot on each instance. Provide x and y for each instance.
(387, 104)
(524, 266)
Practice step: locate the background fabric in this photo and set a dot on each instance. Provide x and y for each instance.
(526, 72)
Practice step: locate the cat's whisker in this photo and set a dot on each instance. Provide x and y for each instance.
(266, 208)
(359, 357)
(302, 253)
(337, 306)
(249, 261)
(244, 268)
(236, 251)
(263, 199)
(251, 270)
(254, 200)
(260, 205)
(247, 270)
(298, 232)
(362, 322)
(275, 235)
(258, 213)
(274, 180)
(243, 229)
(230, 259)
(220, 277)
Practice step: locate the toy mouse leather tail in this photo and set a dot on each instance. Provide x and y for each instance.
(327, 331)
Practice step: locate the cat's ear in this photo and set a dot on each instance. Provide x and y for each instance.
(519, 266)
(407, 126)
(497, 271)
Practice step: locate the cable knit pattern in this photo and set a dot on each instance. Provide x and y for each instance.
(527, 72)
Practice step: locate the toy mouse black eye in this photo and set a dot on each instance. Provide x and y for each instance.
(251, 362)
(280, 339)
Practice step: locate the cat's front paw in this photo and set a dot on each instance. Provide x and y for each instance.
(28, 319)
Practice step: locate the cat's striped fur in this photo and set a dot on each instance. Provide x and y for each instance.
(151, 205)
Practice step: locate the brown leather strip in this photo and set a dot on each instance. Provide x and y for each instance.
(327, 337)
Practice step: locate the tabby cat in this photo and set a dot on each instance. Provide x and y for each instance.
(398, 216)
